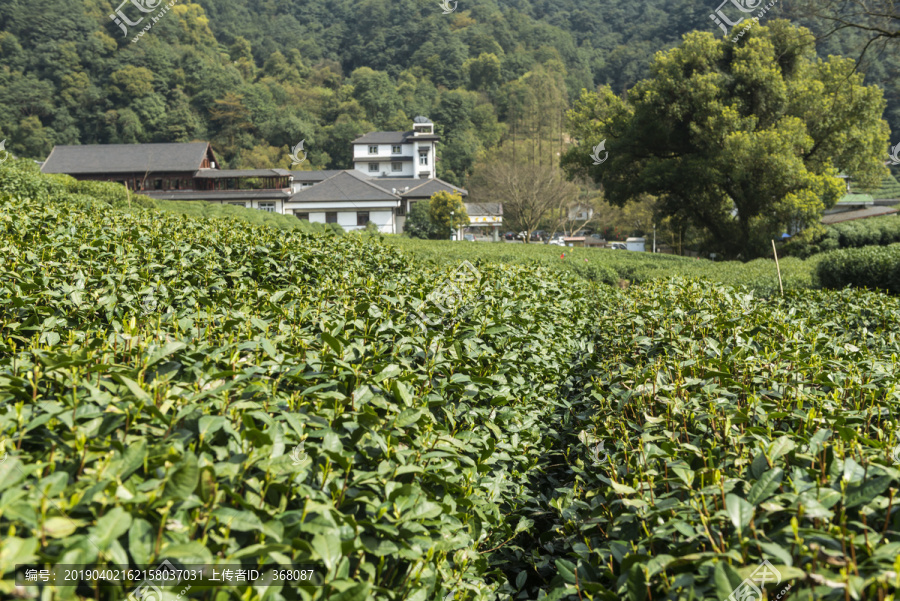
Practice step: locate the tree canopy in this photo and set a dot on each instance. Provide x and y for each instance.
(255, 78)
(743, 138)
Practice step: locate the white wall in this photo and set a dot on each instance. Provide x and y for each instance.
(384, 158)
(408, 169)
(384, 150)
(423, 146)
(347, 219)
(254, 204)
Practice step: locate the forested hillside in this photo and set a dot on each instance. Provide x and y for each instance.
(256, 78)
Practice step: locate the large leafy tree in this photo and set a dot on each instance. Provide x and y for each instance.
(447, 212)
(743, 138)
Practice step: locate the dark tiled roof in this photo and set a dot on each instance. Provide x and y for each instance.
(384, 137)
(398, 183)
(235, 195)
(429, 187)
(860, 214)
(475, 209)
(314, 176)
(125, 158)
(345, 186)
(227, 173)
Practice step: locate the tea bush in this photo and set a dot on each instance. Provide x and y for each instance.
(204, 390)
(878, 231)
(610, 266)
(875, 267)
(22, 179)
(706, 431)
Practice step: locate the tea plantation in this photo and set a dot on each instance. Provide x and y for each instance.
(207, 390)
(611, 266)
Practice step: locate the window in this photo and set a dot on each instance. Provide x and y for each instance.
(268, 207)
(331, 217)
(373, 150)
(158, 184)
(423, 158)
(396, 149)
(401, 210)
(396, 166)
(373, 167)
(362, 218)
(238, 204)
(302, 216)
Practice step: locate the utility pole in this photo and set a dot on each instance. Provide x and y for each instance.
(654, 238)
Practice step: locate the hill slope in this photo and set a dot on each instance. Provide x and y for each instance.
(257, 78)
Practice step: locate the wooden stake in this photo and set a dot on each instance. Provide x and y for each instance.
(780, 284)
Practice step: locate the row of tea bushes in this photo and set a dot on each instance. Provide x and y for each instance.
(707, 431)
(612, 266)
(22, 180)
(202, 390)
(878, 231)
(874, 267)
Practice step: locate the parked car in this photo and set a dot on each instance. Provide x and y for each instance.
(557, 240)
(618, 246)
(509, 236)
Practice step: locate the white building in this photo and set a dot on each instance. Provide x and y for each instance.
(352, 200)
(408, 154)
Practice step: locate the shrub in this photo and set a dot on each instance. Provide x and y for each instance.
(879, 231)
(419, 223)
(23, 179)
(873, 267)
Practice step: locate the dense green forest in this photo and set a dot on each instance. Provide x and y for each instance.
(258, 77)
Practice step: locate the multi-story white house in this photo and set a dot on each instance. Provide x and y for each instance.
(398, 153)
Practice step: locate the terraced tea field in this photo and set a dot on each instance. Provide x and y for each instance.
(209, 391)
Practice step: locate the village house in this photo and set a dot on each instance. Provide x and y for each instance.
(187, 171)
(392, 171)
